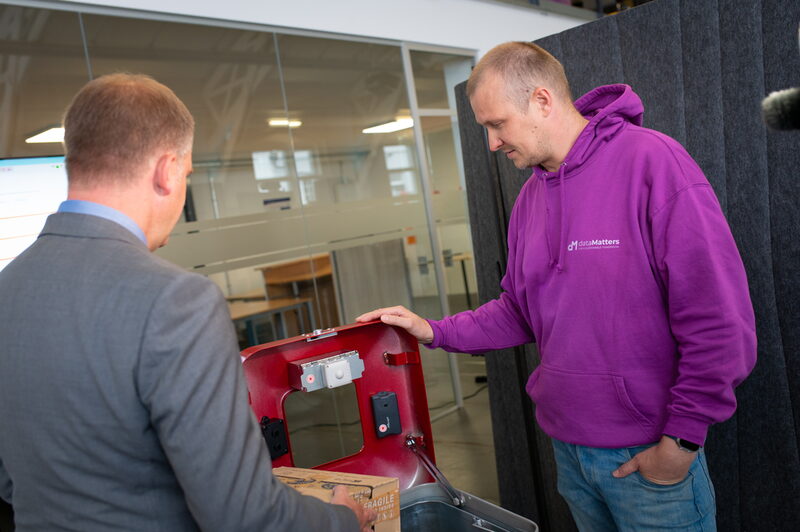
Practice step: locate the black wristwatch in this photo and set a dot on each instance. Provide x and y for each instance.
(684, 445)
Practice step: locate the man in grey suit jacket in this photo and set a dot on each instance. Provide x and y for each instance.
(122, 400)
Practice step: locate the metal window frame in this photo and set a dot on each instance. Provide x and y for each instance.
(406, 47)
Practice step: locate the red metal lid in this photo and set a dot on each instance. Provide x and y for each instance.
(391, 363)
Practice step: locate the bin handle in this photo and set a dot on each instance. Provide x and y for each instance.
(478, 523)
(458, 499)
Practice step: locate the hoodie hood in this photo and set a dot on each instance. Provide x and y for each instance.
(608, 109)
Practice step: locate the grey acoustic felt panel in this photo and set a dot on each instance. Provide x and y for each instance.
(701, 69)
(764, 414)
(649, 42)
(583, 75)
(503, 370)
(701, 65)
(523, 452)
(782, 70)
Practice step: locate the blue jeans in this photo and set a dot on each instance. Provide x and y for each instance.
(602, 503)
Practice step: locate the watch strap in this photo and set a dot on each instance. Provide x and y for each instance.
(685, 445)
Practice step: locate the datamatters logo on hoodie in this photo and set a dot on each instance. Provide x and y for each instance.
(597, 243)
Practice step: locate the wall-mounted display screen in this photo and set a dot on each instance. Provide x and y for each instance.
(30, 189)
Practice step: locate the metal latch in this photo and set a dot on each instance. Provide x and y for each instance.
(325, 371)
(455, 495)
(401, 359)
(319, 334)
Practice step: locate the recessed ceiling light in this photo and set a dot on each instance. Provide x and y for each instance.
(53, 134)
(398, 124)
(282, 122)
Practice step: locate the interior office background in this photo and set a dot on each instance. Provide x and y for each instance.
(284, 170)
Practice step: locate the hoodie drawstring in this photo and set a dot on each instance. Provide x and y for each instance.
(562, 247)
(551, 262)
(558, 262)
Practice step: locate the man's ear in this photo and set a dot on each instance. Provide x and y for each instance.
(542, 100)
(165, 174)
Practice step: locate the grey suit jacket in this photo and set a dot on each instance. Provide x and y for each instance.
(122, 400)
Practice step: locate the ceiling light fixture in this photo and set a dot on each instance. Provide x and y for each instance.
(283, 122)
(53, 134)
(400, 123)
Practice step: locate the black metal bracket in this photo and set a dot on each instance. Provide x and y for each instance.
(274, 432)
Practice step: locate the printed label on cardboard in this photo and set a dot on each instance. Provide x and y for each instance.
(379, 493)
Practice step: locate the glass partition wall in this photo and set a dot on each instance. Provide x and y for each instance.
(327, 174)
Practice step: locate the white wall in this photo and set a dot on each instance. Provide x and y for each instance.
(472, 24)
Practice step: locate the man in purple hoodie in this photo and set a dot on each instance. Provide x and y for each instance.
(622, 267)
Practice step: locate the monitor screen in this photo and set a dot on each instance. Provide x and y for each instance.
(30, 189)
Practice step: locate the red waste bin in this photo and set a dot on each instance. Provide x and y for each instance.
(383, 363)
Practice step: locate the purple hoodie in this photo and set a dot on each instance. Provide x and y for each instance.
(622, 266)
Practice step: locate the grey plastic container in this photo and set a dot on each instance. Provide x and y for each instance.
(428, 507)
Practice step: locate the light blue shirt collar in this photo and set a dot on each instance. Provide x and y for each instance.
(95, 209)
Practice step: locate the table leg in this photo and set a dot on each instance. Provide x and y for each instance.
(252, 334)
(466, 284)
(281, 325)
(310, 311)
(301, 320)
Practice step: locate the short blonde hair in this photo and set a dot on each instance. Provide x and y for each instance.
(116, 122)
(523, 66)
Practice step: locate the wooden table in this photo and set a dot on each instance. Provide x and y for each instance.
(300, 270)
(253, 295)
(251, 312)
(310, 277)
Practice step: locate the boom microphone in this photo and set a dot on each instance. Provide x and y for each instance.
(781, 109)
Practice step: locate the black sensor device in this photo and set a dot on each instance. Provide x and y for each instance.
(274, 432)
(386, 414)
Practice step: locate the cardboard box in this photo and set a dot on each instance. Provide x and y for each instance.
(379, 493)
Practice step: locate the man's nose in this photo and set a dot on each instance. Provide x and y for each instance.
(494, 142)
